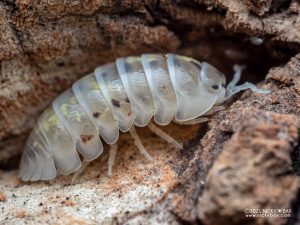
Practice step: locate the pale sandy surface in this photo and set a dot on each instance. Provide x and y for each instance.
(93, 197)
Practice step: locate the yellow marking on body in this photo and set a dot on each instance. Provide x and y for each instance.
(73, 115)
(132, 60)
(51, 121)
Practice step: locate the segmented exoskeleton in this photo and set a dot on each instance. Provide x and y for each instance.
(116, 97)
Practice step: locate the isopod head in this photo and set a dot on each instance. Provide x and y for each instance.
(213, 80)
(191, 81)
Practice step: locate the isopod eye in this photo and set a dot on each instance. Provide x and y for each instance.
(212, 79)
(215, 86)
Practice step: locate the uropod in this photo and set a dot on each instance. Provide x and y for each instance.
(120, 96)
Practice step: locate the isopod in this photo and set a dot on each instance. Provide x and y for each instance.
(120, 96)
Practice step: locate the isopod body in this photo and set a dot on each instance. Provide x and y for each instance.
(116, 97)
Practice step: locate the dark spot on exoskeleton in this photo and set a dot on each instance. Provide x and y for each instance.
(127, 100)
(223, 85)
(215, 86)
(164, 87)
(96, 114)
(85, 138)
(115, 103)
(130, 113)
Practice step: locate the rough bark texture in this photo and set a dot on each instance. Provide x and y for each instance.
(247, 157)
(261, 139)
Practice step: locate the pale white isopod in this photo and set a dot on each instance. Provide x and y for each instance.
(119, 96)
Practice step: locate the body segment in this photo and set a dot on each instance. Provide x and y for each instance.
(159, 81)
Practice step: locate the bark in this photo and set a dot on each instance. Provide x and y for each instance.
(246, 157)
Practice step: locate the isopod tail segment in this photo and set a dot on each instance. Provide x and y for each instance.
(117, 97)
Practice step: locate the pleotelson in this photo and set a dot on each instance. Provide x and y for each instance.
(114, 97)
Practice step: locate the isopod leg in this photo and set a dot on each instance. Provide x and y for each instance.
(138, 143)
(192, 121)
(232, 88)
(80, 171)
(214, 109)
(112, 156)
(164, 135)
